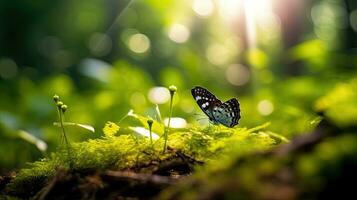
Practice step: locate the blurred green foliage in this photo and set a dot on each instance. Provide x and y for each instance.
(104, 58)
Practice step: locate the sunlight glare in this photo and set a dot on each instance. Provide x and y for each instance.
(255, 11)
(250, 19)
(228, 8)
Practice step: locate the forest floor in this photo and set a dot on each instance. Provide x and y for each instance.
(174, 177)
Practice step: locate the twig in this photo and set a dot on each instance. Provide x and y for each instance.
(304, 142)
(141, 177)
(42, 194)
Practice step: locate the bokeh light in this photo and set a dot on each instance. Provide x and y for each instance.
(95, 68)
(324, 14)
(328, 18)
(265, 107)
(237, 74)
(179, 33)
(353, 20)
(217, 54)
(159, 95)
(176, 122)
(228, 9)
(203, 8)
(139, 43)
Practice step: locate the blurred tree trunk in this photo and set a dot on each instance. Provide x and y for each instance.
(350, 35)
(292, 15)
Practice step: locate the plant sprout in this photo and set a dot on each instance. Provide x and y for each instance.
(172, 90)
(61, 109)
(150, 122)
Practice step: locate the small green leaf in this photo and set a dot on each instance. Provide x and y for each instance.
(159, 118)
(156, 126)
(85, 126)
(144, 132)
(40, 144)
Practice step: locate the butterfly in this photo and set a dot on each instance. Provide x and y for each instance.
(225, 113)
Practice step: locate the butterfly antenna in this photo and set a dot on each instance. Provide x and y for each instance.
(201, 118)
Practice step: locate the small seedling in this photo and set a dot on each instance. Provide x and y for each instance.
(150, 122)
(61, 109)
(172, 90)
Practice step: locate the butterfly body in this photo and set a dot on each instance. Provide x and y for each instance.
(225, 113)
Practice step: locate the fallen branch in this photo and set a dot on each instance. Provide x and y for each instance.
(140, 177)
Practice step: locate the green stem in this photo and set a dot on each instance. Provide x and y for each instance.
(168, 124)
(59, 117)
(150, 136)
(65, 139)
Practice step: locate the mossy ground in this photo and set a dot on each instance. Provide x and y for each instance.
(213, 162)
(317, 165)
(127, 151)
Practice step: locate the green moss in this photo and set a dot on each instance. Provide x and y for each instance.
(318, 172)
(126, 150)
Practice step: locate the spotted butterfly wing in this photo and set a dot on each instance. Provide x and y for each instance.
(205, 100)
(227, 113)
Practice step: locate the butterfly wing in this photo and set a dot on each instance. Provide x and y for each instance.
(228, 113)
(205, 100)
